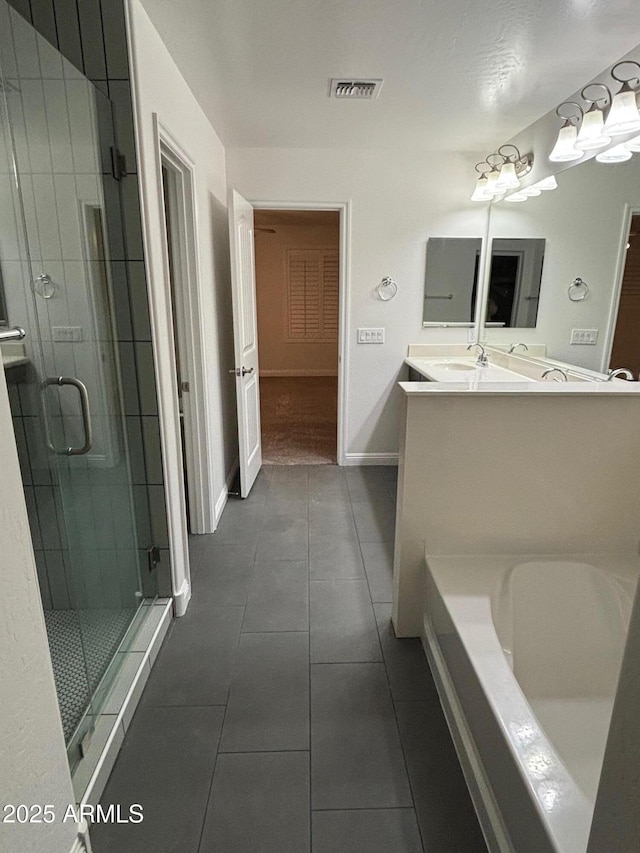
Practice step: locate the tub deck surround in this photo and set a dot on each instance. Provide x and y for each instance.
(528, 699)
(513, 468)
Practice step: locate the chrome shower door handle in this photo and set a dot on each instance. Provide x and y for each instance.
(15, 334)
(84, 409)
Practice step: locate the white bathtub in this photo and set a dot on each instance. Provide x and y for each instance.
(527, 652)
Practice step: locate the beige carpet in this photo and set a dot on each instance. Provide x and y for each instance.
(299, 420)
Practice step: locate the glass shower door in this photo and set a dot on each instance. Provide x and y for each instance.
(60, 282)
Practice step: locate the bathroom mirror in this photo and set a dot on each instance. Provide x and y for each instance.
(586, 223)
(450, 280)
(514, 283)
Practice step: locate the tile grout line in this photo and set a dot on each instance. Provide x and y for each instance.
(393, 704)
(255, 559)
(226, 704)
(213, 773)
(395, 716)
(369, 809)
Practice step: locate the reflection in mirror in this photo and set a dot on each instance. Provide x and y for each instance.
(625, 350)
(514, 283)
(450, 280)
(586, 225)
(4, 319)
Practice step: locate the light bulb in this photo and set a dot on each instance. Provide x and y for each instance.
(531, 191)
(623, 116)
(564, 150)
(617, 154)
(592, 133)
(508, 180)
(516, 197)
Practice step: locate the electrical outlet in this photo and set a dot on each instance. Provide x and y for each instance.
(370, 336)
(67, 334)
(584, 336)
(471, 335)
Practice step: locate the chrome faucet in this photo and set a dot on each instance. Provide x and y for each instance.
(514, 346)
(559, 370)
(621, 371)
(482, 361)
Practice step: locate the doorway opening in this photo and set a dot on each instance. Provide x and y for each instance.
(297, 267)
(170, 195)
(625, 350)
(183, 314)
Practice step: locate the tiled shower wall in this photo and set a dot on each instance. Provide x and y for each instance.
(92, 36)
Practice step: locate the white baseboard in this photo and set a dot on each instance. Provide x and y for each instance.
(82, 844)
(221, 504)
(224, 494)
(305, 372)
(370, 459)
(181, 599)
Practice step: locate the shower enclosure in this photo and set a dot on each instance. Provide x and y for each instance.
(64, 283)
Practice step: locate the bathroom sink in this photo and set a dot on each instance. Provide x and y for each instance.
(454, 365)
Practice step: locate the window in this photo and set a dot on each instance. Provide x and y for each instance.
(312, 292)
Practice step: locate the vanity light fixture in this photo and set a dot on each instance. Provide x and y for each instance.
(623, 116)
(536, 189)
(617, 154)
(592, 134)
(565, 148)
(506, 167)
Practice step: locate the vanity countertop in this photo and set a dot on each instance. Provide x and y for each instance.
(568, 389)
(461, 370)
(453, 370)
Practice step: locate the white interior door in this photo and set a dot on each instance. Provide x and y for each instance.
(245, 338)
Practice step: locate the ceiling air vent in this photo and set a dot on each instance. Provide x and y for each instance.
(357, 89)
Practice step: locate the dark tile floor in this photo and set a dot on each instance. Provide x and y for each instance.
(282, 715)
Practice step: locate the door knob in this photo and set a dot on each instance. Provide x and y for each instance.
(241, 371)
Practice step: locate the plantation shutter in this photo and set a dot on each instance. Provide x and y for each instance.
(312, 288)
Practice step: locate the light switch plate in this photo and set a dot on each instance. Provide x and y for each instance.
(584, 336)
(370, 336)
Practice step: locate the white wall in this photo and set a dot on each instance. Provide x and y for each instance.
(583, 223)
(398, 200)
(278, 354)
(159, 89)
(33, 762)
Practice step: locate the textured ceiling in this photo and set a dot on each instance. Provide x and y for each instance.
(460, 75)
